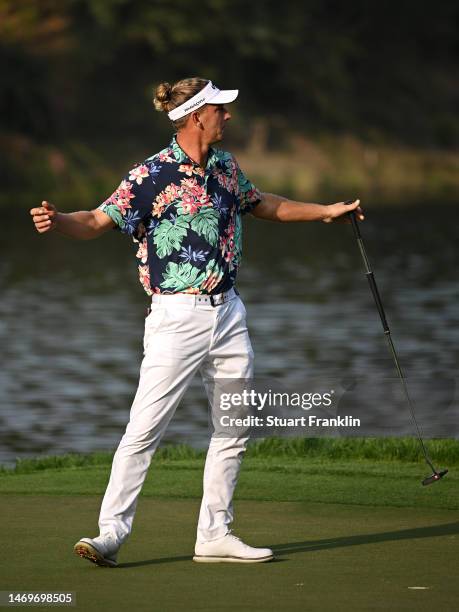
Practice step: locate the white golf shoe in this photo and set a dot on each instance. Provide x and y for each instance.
(101, 550)
(230, 549)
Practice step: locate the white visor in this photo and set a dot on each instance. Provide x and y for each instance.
(209, 95)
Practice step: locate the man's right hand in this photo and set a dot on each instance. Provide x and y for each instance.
(45, 217)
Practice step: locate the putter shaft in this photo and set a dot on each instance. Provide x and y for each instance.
(374, 290)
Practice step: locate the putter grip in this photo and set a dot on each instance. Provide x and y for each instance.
(375, 292)
(369, 273)
(355, 225)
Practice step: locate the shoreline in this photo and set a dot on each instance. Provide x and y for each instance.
(331, 450)
(321, 169)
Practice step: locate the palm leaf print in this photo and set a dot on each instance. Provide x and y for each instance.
(169, 235)
(181, 276)
(114, 213)
(206, 225)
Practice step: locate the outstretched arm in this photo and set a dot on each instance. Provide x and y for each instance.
(82, 225)
(276, 208)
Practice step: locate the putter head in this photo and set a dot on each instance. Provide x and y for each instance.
(434, 477)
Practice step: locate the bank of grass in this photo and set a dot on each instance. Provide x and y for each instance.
(332, 167)
(320, 449)
(324, 169)
(360, 471)
(366, 472)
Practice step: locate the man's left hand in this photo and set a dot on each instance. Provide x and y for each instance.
(339, 212)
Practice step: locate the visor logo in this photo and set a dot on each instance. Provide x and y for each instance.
(197, 103)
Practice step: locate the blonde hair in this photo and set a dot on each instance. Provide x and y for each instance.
(168, 97)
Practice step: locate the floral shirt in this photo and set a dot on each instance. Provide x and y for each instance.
(185, 220)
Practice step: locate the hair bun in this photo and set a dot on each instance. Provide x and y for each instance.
(163, 96)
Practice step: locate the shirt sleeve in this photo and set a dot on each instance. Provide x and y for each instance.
(131, 203)
(249, 195)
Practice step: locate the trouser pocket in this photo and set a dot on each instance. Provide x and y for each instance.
(152, 324)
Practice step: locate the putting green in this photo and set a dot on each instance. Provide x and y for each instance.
(329, 556)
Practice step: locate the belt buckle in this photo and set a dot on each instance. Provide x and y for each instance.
(220, 301)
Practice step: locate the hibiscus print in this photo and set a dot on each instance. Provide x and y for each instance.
(190, 169)
(189, 204)
(227, 244)
(144, 277)
(191, 187)
(227, 176)
(166, 156)
(138, 174)
(158, 207)
(142, 251)
(185, 221)
(192, 290)
(122, 196)
(222, 179)
(211, 281)
(187, 169)
(165, 198)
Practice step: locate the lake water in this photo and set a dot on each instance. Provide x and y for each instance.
(72, 322)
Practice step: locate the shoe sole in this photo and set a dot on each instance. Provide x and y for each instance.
(203, 559)
(86, 551)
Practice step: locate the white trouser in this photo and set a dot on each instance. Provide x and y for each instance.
(180, 339)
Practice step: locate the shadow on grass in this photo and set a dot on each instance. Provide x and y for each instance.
(369, 538)
(170, 560)
(308, 546)
(156, 561)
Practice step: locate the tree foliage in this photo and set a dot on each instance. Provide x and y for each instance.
(86, 68)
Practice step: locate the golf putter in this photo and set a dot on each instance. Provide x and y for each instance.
(436, 475)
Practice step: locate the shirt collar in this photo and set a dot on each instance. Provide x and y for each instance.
(182, 158)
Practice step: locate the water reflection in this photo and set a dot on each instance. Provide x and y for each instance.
(72, 316)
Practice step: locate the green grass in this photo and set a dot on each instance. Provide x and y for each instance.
(387, 449)
(349, 522)
(328, 557)
(329, 449)
(370, 472)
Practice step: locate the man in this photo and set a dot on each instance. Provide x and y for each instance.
(183, 209)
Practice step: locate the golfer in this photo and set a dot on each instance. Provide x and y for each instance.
(183, 209)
